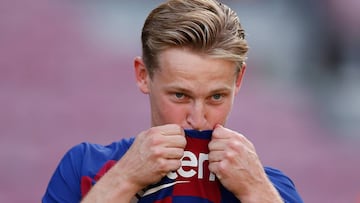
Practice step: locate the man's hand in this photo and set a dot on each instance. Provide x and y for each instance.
(234, 160)
(154, 153)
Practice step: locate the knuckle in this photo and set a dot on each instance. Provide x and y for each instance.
(236, 145)
(156, 152)
(221, 169)
(162, 165)
(178, 153)
(155, 140)
(229, 155)
(233, 143)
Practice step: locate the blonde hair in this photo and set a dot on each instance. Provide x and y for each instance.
(204, 26)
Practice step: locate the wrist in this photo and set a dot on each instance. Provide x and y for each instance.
(114, 186)
(265, 193)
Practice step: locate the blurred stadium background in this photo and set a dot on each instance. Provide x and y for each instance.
(66, 77)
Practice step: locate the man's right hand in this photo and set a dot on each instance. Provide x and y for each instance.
(154, 153)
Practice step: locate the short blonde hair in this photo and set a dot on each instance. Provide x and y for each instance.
(204, 26)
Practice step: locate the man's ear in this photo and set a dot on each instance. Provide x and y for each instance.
(141, 75)
(240, 77)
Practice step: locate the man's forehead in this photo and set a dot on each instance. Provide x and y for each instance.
(166, 61)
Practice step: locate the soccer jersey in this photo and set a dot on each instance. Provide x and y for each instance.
(83, 165)
(192, 182)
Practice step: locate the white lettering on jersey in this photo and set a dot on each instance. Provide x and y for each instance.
(190, 160)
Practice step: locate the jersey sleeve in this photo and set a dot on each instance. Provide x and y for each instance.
(80, 168)
(64, 185)
(284, 185)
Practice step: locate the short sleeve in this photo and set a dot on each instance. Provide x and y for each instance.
(64, 185)
(284, 185)
(79, 169)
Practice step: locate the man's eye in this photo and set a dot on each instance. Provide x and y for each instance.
(179, 95)
(217, 97)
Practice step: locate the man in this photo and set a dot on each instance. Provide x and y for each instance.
(193, 62)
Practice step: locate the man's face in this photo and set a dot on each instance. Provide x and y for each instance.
(191, 90)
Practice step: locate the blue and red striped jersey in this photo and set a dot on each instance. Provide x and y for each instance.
(83, 165)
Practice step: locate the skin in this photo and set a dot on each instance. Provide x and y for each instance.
(193, 91)
(188, 91)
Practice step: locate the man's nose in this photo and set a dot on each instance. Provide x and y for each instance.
(197, 116)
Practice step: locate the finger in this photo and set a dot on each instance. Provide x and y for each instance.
(229, 136)
(175, 141)
(173, 164)
(171, 129)
(217, 145)
(214, 167)
(173, 153)
(216, 156)
(221, 133)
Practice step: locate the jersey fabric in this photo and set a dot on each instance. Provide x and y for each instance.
(83, 165)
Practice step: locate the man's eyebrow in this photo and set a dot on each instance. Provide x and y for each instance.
(223, 89)
(178, 89)
(189, 90)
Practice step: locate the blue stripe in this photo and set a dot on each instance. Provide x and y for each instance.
(205, 134)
